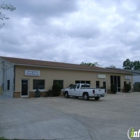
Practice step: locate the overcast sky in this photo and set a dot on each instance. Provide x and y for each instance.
(73, 31)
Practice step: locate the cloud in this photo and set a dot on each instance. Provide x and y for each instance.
(73, 31)
(44, 9)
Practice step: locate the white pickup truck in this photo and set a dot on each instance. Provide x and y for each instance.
(84, 90)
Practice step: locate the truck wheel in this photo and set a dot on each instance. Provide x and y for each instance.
(97, 98)
(66, 95)
(85, 96)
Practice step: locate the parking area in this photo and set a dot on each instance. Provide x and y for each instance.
(70, 119)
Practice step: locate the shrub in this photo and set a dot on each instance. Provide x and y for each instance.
(37, 93)
(113, 88)
(49, 93)
(2, 138)
(56, 89)
(70, 85)
(127, 87)
(102, 87)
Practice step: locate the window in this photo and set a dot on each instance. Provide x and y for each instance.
(73, 87)
(82, 82)
(87, 82)
(40, 84)
(85, 86)
(78, 86)
(97, 84)
(60, 82)
(77, 82)
(8, 84)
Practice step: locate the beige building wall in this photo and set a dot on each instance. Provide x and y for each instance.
(69, 77)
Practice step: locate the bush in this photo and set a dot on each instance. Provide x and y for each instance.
(56, 89)
(102, 87)
(113, 88)
(49, 93)
(37, 93)
(127, 87)
(70, 85)
(3, 138)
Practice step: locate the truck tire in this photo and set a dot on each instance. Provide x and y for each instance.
(97, 98)
(85, 96)
(66, 95)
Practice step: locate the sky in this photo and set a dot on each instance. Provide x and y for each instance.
(73, 31)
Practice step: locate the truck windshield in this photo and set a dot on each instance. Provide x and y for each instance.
(72, 87)
(83, 86)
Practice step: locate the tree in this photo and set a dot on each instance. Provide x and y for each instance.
(3, 7)
(91, 64)
(112, 66)
(127, 64)
(136, 65)
(131, 65)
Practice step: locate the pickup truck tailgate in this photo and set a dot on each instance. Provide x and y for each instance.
(99, 91)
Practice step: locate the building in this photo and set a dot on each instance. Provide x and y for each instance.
(21, 77)
(136, 80)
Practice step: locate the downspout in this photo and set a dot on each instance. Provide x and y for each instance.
(3, 76)
(14, 79)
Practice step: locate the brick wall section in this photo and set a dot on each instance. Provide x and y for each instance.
(17, 95)
(32, 94)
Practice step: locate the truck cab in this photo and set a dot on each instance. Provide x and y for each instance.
(85, 91)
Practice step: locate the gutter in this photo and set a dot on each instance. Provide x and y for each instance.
(73, 69)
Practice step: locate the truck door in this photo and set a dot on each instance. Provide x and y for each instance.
(72, 90)
(77, 91)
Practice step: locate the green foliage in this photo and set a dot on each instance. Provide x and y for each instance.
(127, 87)
(3, 7)
(70, 85)
(112, 66)
(113, 88)
(2, 138)
(56, 89)
(91, 64)
(37, 93)
(49, 93)
(131, 65)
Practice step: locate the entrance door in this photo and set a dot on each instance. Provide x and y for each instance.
(116, 80)
(24, 88)
(104, 85)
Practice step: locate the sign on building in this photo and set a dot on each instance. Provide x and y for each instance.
(32, 72)
(127, 77)
(102, 76)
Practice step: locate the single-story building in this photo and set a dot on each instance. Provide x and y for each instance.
(21, 77)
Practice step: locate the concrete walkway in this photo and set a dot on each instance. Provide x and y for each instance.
(24, 119)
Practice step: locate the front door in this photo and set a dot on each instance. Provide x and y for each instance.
(24, 88)
(104, 85)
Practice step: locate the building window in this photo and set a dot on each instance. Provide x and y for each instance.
(85, 86)
(8, 84)
(82, 82)
(38, 84)
(97, 84)
(60, 82)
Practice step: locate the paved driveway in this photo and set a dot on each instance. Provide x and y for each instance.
(70, 119)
